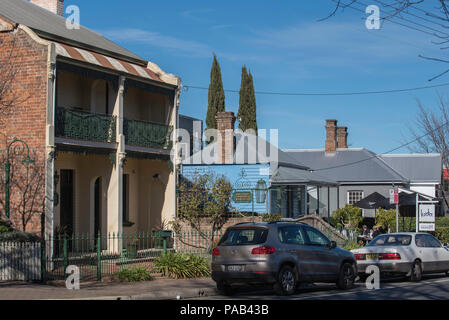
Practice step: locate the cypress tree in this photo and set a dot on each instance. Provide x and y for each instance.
(252, 110)
(247, 103)
(216, 100)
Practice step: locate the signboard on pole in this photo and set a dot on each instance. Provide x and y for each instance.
(394, 196)
(426, 213)
(428, 227)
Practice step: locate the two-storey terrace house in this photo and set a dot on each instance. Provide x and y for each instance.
(97, 116)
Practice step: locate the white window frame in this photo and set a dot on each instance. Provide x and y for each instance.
(349, 191)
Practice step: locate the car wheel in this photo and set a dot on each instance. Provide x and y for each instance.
(225, 289)
(416, 272)
(286, 282)
(347, 276)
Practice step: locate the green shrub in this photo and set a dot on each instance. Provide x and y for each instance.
(352, 245)
(182, 266)
(4, 229)
(442, 222)
(442, 234)
(134, 275)
(271, 217)
(348, 217)
(19, 236)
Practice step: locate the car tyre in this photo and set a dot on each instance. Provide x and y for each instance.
(347, 276)
(286, 283)
(225, 289)
(416, 272)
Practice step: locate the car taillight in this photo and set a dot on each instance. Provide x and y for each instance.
(215, 252)
(389, 256)
(263, 250)
(359, 256)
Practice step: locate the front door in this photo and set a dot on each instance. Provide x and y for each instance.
(66, 201)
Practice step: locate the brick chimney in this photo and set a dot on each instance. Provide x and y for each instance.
(342, 137)
(331, 136)
(55, 6)
(225, 141)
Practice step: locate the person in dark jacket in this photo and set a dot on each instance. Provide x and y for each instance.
(376, 231)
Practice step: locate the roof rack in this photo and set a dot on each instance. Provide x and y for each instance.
(283, 221)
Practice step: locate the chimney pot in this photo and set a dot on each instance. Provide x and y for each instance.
(55, 6)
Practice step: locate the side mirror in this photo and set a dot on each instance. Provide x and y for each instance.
(332, 245)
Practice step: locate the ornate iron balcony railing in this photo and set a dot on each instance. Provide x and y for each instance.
(147, 134)
(76, 124)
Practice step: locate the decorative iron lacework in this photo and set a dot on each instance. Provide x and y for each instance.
(77, 124)
(147, 134)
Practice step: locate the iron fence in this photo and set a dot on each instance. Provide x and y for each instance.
(102, 256)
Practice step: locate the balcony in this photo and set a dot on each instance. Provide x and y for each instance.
(147, 134)
(82, 125)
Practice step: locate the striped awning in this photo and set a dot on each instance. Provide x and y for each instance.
(105, 61)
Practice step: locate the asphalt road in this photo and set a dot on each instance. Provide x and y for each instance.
(432, 287)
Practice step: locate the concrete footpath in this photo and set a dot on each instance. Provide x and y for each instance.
(158, 289)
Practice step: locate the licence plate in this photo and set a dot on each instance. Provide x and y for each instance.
(236, 268)
(372, 256)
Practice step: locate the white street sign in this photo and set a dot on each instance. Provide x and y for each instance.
(427, 213)
(427, 227)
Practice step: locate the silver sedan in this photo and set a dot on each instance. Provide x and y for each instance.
(410, 254)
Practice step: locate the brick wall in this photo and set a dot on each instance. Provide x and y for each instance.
(26, 119)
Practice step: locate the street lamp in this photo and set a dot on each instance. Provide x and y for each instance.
(18, 149)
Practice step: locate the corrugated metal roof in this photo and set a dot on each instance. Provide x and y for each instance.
(288, 175)
(416, 167)
(261, 152)
(348, 165)
(51, 26)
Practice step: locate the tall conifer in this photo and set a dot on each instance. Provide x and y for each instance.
(216, 100)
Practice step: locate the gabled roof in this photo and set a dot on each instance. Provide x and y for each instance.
(51, 26)
(416, 167)
(348, 165)
(261, 152)
(283, 170)
(289, 175)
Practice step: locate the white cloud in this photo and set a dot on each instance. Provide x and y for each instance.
(180, 46)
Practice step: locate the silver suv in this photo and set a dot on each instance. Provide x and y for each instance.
(283, 254)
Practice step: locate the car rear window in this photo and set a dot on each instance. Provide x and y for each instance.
(244, 236)
(391, 240)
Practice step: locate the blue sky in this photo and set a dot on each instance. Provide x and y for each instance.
(287, 50)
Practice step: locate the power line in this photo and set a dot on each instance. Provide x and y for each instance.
(413, 15)
(380, 154)
(328, 93)
(390, 20)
